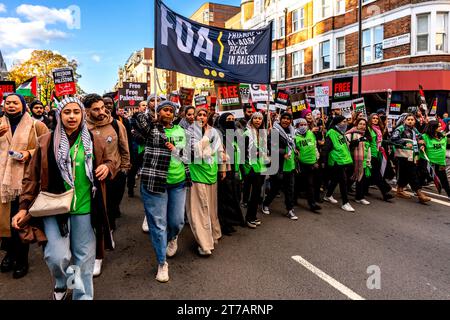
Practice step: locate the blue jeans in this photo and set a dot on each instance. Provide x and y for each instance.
(165, 216)
(79, 245)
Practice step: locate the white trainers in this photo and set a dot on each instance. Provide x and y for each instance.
(204, 252)
(97, 267)
(172, 247)
(347, 207)
(330, 199)
(363, 201)
(291, 215)
(145, 225)
(163, 273)
(265, 210)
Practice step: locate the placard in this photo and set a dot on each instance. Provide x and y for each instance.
(228, 98)
(132, 93)
(322, 97)
(360, 106)
(5, 88)
(186, 96)
(64, 82)
(298, 103)
(342, 89)
(261, 93)
(201, 102)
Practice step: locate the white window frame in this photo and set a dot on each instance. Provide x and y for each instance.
(281, 67)
(295, 21)
(282, 27)
(299, 65)
(432, 29)
(274, 29)
(342, 8)
(372, 45)
(273, 69)
(321, 68)
(338, 53)
(325, 4)
(428, 15)
(442, 31)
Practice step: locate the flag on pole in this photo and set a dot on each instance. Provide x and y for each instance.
(28, 88)
(433, 110)
(423, 101)
(433, 174)
(384, 161)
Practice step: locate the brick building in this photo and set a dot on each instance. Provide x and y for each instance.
(3, 68)
(139, 68)
(405, 43)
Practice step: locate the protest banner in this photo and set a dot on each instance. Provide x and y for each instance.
(322, 97)
(282, 99)
(261, 93)
(186, 96)
(205, 51)
(201, 102)
(298, 104)
(228, 98)
(6, 87)
(244, 91)
(360, 107)
(64, 82)
(132, 93)
(342, 89)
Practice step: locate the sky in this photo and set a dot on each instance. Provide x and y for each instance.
(104, 37)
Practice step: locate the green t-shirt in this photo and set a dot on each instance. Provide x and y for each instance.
(341, 153)
(307, 146)
(289, 164)
(257, 165)
(81, 203)
(177, 172)
(435, 149)
(204, 172)
(373, 144)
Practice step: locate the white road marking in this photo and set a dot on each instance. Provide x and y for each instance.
(435, 194)
(334, 283)
(444, 203)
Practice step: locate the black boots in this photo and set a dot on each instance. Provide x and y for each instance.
(20, 269)
(7, 264)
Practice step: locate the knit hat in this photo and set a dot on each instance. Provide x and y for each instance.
(305, 112)
(316, 113)
(257, 115)
(165, 104)
(337, 120)
(286, 114)
(302, 121)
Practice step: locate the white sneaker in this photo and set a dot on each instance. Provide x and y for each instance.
(347, 207)
(145, 225)
(363, 201)
(204, 252)
(265, 210)
(330, 199)
(163, 273)
(291, 215)
(113, 243)
(97, 267)
(172, 247)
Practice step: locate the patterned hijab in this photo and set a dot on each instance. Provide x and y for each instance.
(61, 144)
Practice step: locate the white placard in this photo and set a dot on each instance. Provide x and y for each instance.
(322, 97)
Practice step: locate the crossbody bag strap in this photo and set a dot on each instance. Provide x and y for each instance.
(74, 161)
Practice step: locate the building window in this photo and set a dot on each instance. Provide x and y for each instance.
(325, 8)
(298, 20)
(281, 68)
(340, 6)
(422, 32)
(340, 47)
(272, 69)
(372, 44)
(324, 55)
(298, 63)
(378, 35)
(441, 31)
(282, 27)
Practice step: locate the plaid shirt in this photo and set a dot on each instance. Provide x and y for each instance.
(157, 156)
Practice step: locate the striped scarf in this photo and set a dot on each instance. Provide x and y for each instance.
(61, 145)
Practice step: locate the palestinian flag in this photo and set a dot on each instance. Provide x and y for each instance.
(384, 161)
(28, 88)
(433, 110)
(423, 101)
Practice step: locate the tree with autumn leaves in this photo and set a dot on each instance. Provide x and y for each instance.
(40, 65)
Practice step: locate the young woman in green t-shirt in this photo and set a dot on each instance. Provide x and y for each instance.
(435, 148)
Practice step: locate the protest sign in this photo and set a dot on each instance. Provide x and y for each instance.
(342, 89)
(359, 106)
(244, 91)
(186, 96)
(322, 97)
(298, 103)
(201, 102)
(228, 98)
(132, 93)
(64, 82)
(261, 93)
(6, 87)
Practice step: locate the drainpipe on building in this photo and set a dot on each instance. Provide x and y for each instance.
(359, 48)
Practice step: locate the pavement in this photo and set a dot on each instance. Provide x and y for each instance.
(400, 250)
